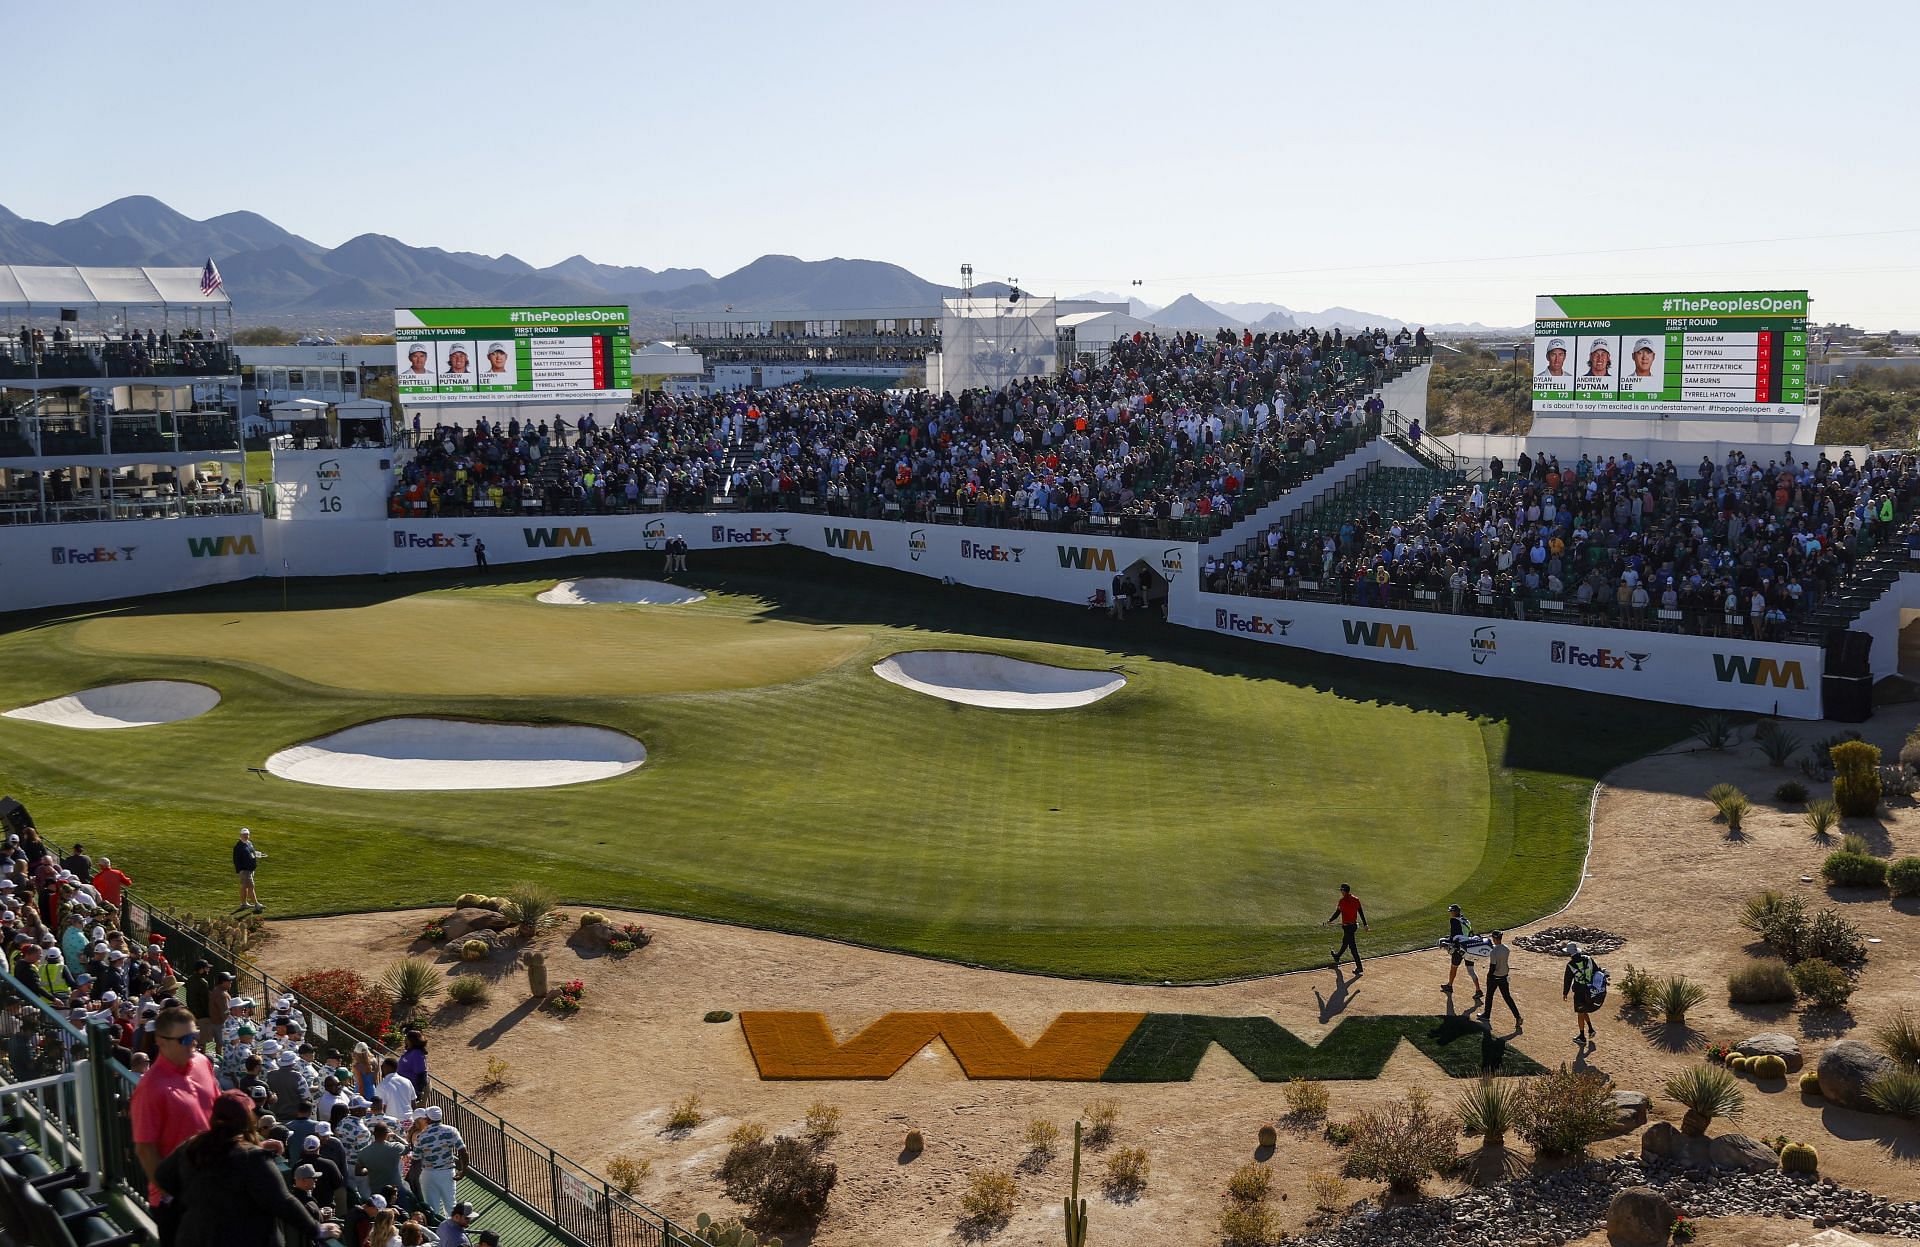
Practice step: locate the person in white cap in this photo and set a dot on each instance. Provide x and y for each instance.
(1643, 359)
(497, 372)
(246, 859)
(1556, 359)
(442, 1156)
(1599, 360)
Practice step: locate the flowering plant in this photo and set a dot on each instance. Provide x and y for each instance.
(1719, 1052)
(348, 996)
(627, 937)
(435, 930)
(1684, 1229)
(566, 998)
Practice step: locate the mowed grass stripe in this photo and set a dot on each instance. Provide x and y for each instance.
(1192, 826)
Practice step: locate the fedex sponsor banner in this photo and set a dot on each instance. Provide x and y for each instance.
(58, 564)
(1655, 666)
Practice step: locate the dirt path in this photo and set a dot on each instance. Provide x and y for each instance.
(1662, 872)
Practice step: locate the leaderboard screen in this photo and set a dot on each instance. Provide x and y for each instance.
(1731, 354)
(514, 354)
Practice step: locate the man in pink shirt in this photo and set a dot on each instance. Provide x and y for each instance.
(173, 1099)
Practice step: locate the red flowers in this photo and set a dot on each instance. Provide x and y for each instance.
(348, 996)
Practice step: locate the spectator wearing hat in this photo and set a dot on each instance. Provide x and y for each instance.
(304, 1181)
(230, 1191)
(172, 1100)
(236, 1054)
(52, 977)
(452, 1232)
(289, 1089)
(314, 1151)
(246, 859)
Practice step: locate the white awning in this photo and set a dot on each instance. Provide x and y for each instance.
(63, 285)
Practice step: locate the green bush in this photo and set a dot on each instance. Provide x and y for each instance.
(1248, 1224)
(529, 907)
(1250, 1183)
(1897, 1093)
(1779, 746)
(784, 1183)
(1714, 731)
(1821, 815)
(1403, 1143)
(468, 990)
(1706, 1092)
(1126, 1173)
(1856, 778)
(1900, 1039)
(989, 1197)
(412, 982)
(1564, 1112)
(1853, 842)
(1822, 982)
(1487, 1109)
(1675, 995)
(1636, 988)
(1761, 982)
(1853, 870)
(1793, 792)
(1910, 750)
(1732, 804)
(1833, 937)
(1903, 877)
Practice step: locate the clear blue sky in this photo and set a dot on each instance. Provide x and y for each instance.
(1389, 157)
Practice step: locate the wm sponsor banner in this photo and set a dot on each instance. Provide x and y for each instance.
(558, 538)
(222, 546)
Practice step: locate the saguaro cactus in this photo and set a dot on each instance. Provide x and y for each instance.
(1076, 1207)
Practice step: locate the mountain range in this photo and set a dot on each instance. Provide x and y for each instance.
(273, 274)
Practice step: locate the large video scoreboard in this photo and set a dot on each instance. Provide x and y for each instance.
(481, 354)
(1730, 354)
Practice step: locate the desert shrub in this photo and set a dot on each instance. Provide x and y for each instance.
(1706, 1092)
(1126, 1172)
(1853, 842)
(1714, 731)
(348, 996)
(1761, 910)
(1780, 920)
(1792, 792)
(468, 990)
(783, 1183)
(1799, 1158)
(1832, 936)
(494, 1077)
(747, 1132)
(717, 1015)
(1856, 778)
(1767, 1067)
(474, 950)
(1896, 781)
(1720, 792)
(1403, 1143)
(1338, 1133)
(1250, 1184)
(1810, 1082)
(1329, 1191)
(1487, 1109)
(1853, 870)
(529, 907)
(1041, 1137)
(628, 1172)
(1778, 746)
(685, 1114)
(1306, 1100)
(1248, 1225)
(1899, 1038)
(1103, 1118)
(988, 1200)
(1561, 1113)
(1636, 988)
(1821, 815)
(1677, 994)
(1897, 1093)
(1763, 981)
(1822, 982)
(822, 1123)
(1903, 877)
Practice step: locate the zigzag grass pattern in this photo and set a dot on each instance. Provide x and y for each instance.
(1119, 1047)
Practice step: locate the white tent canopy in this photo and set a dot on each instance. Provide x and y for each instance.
(62, 285)
(300, 408)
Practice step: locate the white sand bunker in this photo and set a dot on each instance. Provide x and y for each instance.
(1001, 683)
(141, 703)
(418, 755)
(605, 591)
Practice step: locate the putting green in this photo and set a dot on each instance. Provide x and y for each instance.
(1191, 826)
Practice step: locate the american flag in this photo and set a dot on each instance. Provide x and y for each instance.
(209, 279)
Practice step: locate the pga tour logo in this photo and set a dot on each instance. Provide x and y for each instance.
(1603, 658)
(1256, 625)
(916, 544)
(724, 536)
(67, 555)
(995, 553)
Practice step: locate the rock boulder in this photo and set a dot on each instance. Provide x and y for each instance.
(1846, 1069)
(1772, 1043)
(1742, 1152)
(1640, 1217)
(1665, 1141)
(464, 922)
(1629, 1109)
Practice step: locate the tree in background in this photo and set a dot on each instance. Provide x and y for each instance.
(1474, 392)
(1877, 407)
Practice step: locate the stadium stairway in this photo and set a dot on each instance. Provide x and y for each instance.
(1873, 574)
(1396, 490)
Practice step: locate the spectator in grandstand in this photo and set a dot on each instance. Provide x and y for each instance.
(365, 1073)
(172, 1100)
(1499, 963)
(394, 1089)
(1351, 915)
(380, 1159)
(453, 1231)
(230, 1192)
(441, 1156)
(110, 882)
(246, 859)
(77, 863)
(413, 1059)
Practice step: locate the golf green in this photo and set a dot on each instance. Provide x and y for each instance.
(1193, 825)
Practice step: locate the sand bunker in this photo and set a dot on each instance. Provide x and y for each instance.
(1000, 683)
(141, 703)
(416, 755)
(602, 591)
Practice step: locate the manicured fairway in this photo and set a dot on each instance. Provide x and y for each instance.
(1192, 825)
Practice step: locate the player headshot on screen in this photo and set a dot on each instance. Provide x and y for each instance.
(496, 371)
(458, 368)
(1556, 359)
(1643, 358)
(417, 361)
(1599, 360)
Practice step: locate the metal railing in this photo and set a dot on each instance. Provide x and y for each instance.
(563, 1197)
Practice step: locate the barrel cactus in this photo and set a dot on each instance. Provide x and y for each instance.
(1738, 1064)
(1799, 1158)
(474, 950)
(1767, 1067)
(1810, 1083)
(916, 1143)
(1268, 1137)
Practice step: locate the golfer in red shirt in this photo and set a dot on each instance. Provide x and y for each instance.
(174, 1098)
(1351, 915)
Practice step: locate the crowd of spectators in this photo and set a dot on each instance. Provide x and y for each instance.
(241, 1120)
(126, 353)
(1160, 429)
(1728, 545)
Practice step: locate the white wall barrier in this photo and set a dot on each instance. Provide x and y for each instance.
(1731, 674)
(59, 564)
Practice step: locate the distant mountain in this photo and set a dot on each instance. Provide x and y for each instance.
(1267, 316)
(1188, 312)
